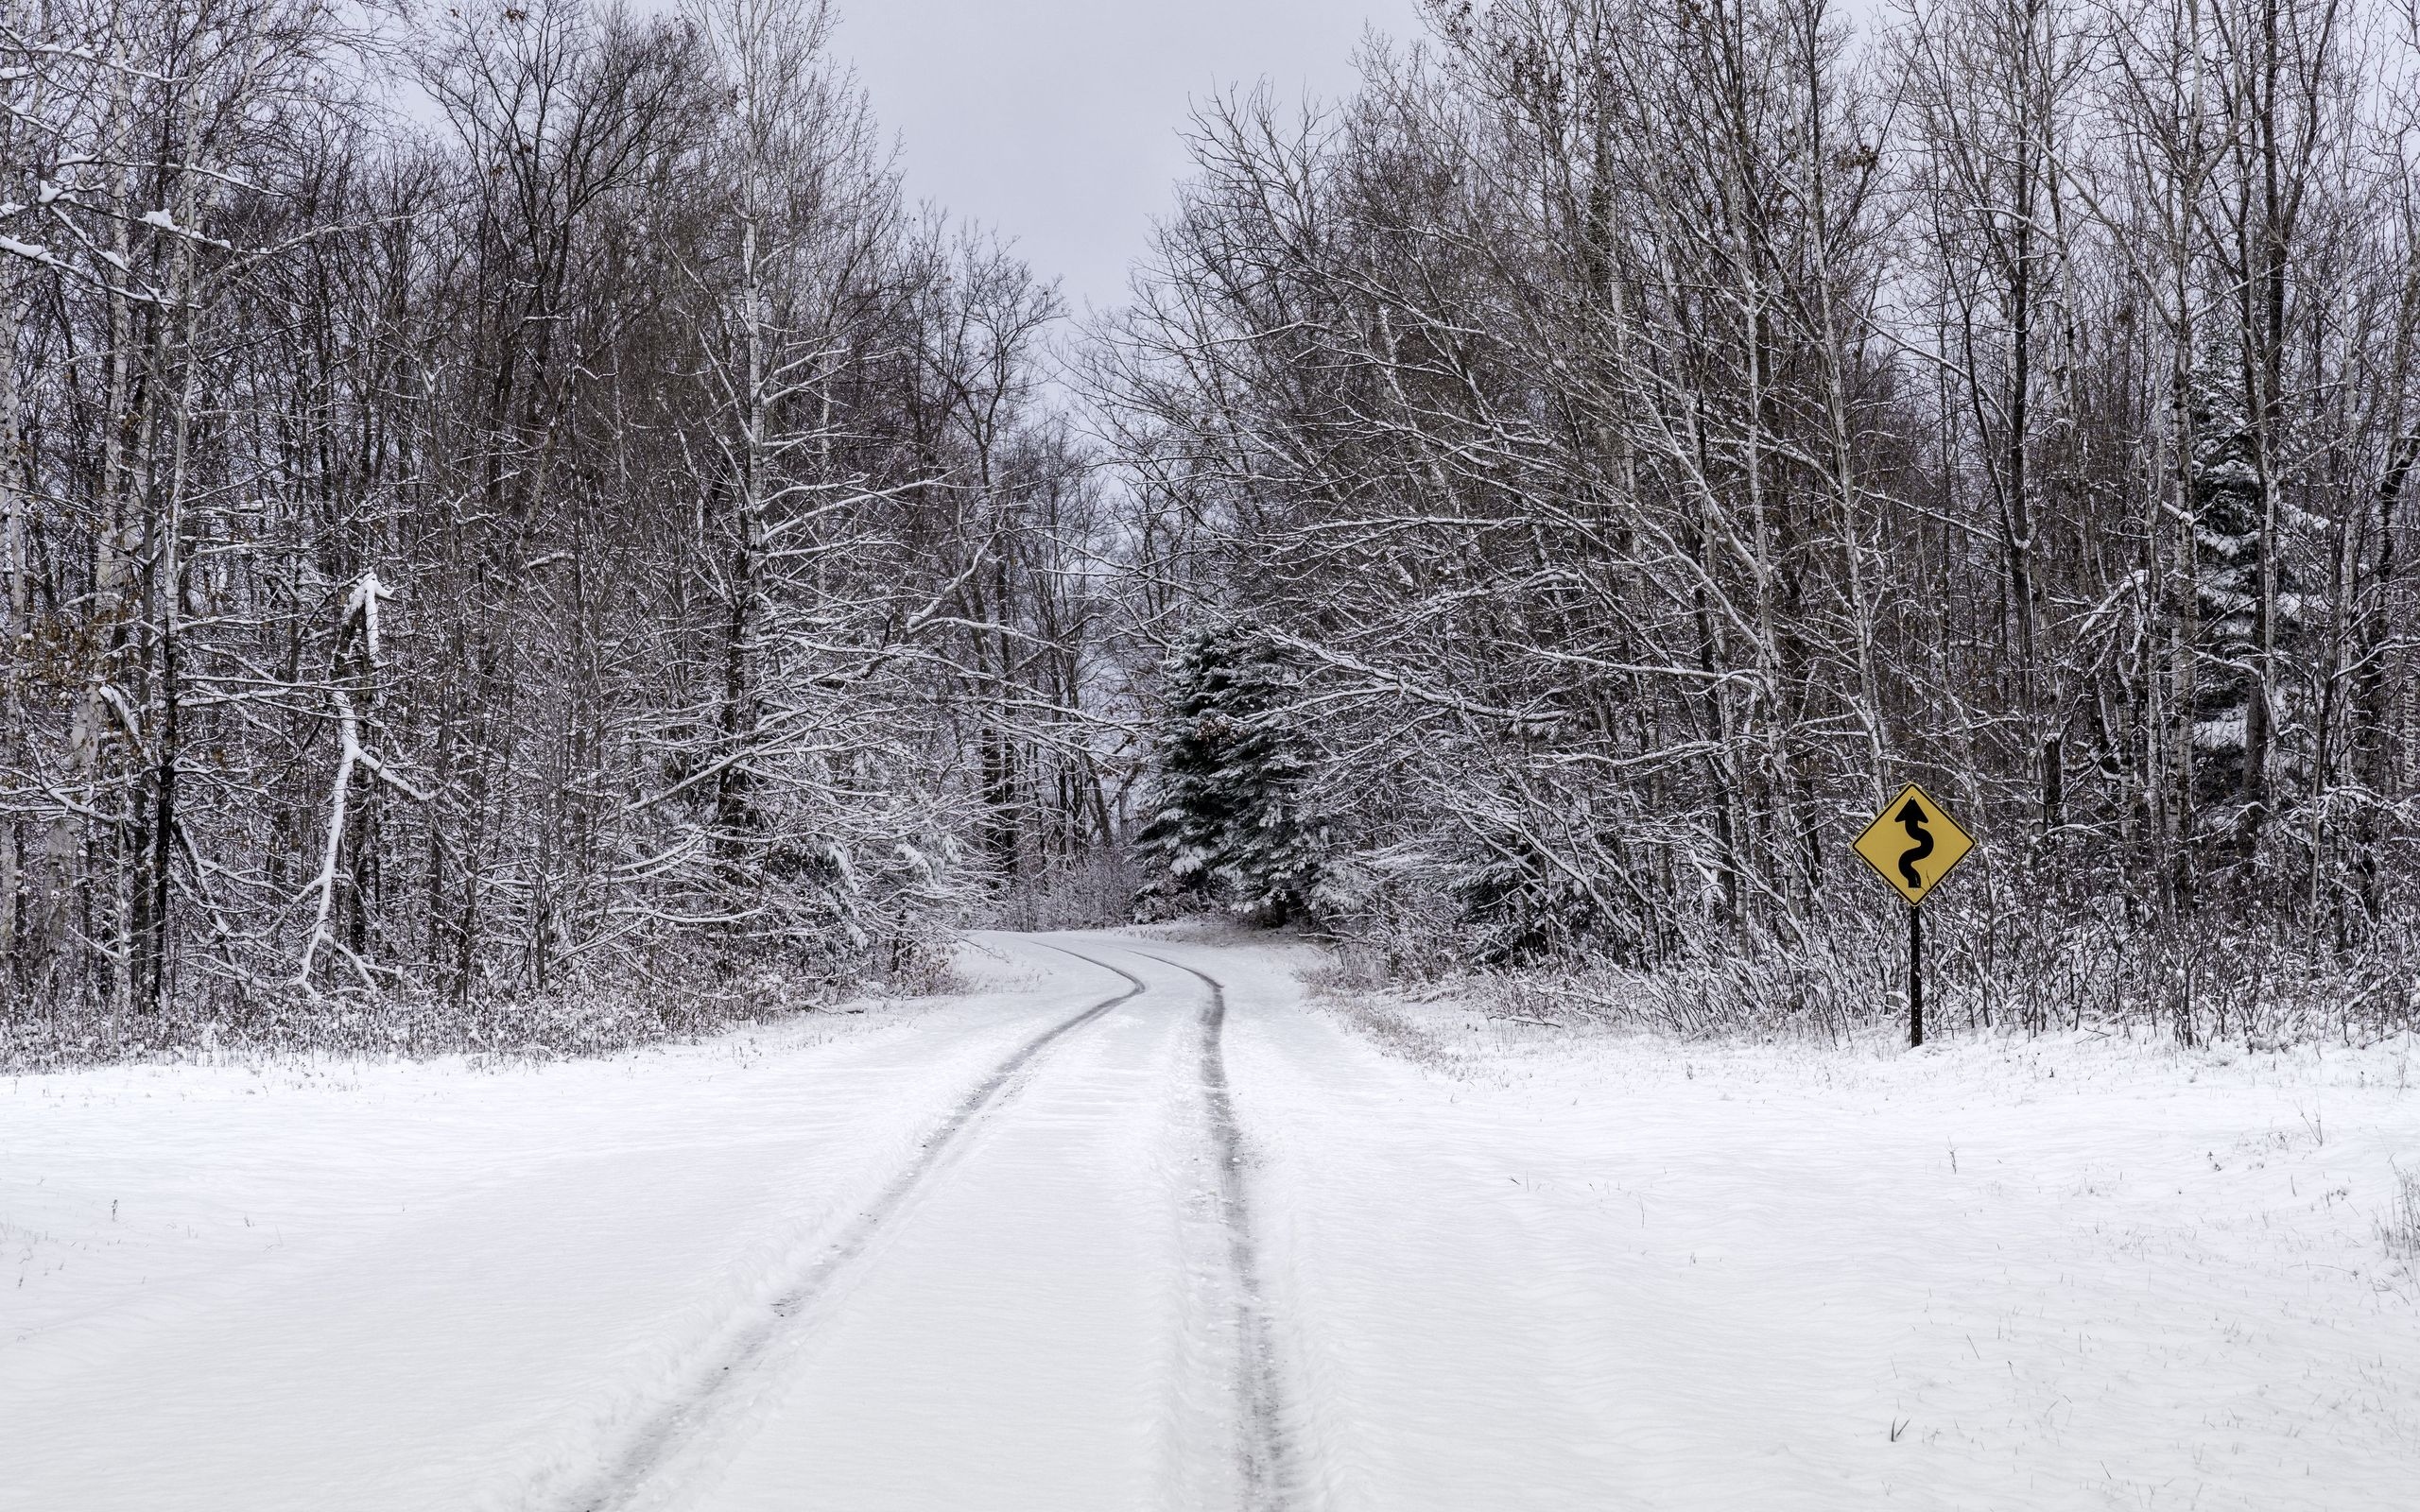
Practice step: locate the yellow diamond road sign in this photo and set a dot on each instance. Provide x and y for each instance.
(1913, 843)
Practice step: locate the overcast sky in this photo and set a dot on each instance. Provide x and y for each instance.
(1056, 122)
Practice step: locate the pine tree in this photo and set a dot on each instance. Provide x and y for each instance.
(1230, 779)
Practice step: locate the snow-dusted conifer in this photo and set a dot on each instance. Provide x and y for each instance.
(1230, 775)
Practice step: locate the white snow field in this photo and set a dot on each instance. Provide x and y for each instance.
(1091, 1238)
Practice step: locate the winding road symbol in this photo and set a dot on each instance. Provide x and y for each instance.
(1913, 843)
(1913, 817)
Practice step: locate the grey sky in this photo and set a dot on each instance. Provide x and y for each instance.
(1056, 121)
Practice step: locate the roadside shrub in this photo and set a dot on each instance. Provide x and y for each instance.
(2200, 983)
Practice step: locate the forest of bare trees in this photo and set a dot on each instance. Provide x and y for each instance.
(582, 528)
(1649, 432)
(514, 503)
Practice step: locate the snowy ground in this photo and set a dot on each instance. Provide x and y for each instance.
(991, 1253)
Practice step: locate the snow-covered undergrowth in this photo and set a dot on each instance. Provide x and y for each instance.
(581, 1018)
(2075, 1269)
(2035, 968)
(1089, 890)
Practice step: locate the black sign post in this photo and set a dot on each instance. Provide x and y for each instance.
(1915, 976)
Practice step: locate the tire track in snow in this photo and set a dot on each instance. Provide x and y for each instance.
(667, 1429)
(1263, 1439)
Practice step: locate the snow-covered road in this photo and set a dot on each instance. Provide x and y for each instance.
(1045, 1308)
(1135, 1225)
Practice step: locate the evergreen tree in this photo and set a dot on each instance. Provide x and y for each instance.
(1230, 780)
